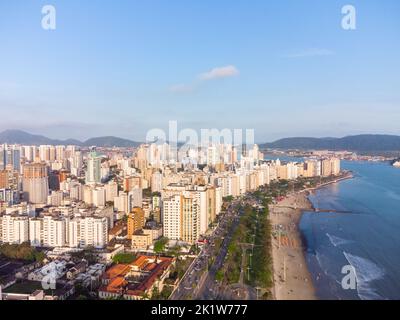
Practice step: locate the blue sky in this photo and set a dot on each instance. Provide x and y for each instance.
(284, 68)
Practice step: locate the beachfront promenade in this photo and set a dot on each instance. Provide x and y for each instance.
(292, 279)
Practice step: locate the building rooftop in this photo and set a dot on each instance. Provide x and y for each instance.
(150, 268)
(116, 271)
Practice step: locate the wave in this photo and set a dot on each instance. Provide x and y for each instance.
(337, 241)
(366, 272)
(318, 257)
(393, 195)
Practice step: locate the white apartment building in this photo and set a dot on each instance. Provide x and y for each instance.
(172, 218)
(182, 218)
(99, 197)
(88, 231)
(14, 228)
(111, 190)
(201, 201)
(93, 172)
(55, 198)
(53, 232)
(121, 202)
(35, 231)
(156, 182)
(135, 198)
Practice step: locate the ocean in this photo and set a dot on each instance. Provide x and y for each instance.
(362, 231)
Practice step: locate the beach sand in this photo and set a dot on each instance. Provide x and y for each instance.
(288, 252)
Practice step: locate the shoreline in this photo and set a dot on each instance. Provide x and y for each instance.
(292, 278)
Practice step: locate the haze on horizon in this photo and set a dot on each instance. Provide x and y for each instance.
(283, 69)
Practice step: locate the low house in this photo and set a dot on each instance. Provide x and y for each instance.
(136, 280)
(77, 269)
(141, 241)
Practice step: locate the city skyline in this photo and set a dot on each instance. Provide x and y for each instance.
(124, 69)
(203, 156)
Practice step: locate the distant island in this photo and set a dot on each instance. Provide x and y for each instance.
(358, 143)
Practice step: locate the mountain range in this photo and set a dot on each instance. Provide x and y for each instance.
(360, 143)
(22, 137)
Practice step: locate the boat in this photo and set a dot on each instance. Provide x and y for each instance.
(396, 164)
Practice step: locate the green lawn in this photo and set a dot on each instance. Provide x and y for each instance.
(26, 287)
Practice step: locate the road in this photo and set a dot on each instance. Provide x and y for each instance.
(209, 288)
(197, 278)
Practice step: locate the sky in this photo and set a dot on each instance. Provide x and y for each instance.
(283, 68)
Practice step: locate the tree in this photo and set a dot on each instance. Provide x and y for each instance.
(155, 295)
(219, 276)
(145, 296)
(175, 251)
(124, 258)
(166, 293)
(228, 199)
(22, 251)
(159, 246)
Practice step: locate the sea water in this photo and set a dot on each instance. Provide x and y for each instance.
(363, 230)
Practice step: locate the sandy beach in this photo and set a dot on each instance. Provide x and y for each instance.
(292, 280)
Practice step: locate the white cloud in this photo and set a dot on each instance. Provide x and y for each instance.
(219, 72)
(215, 73)
(312, 52)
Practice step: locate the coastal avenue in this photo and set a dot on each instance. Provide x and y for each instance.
(199, 271)
(199, 277)
(199, 281)
(209, 288)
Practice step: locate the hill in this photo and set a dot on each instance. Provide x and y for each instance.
(25, 138)
(365, 142)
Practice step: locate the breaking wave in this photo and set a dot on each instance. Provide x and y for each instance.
(337, 241)
(366, 272)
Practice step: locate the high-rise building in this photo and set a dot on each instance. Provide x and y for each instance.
(88, 232)
(172, 218)
(136, 221)
(35, 183)
(53, 232)
(181, 217)
(156, 182)
(14, 228)
(335, 166)
(35, 231)
(135, 198)
(4, 179)
(55, 198)
(99, 197)
(93, 171)
(60, 152)
(326, 167)
(190, 223)
(10, 157)
(9, 196)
